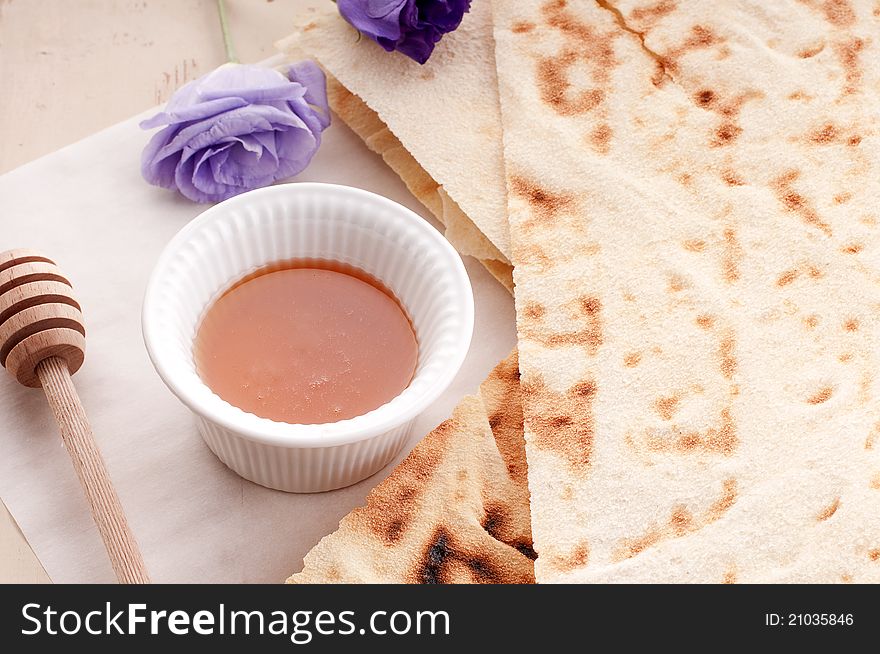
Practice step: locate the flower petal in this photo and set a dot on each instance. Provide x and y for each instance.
(375, 18)
(296, 147)
(310, 75)
(192, 113)
(254, 84)
(159, 171)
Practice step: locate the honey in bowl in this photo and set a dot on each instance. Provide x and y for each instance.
(306, 342)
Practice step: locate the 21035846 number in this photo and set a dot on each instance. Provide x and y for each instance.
(819, 619)
(808, 619)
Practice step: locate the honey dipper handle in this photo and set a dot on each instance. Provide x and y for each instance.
(80, 444)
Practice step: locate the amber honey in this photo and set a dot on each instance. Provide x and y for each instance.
(307, 342)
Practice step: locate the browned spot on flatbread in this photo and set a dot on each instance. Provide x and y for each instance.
(874, 554)
(794, 202)
(727, 356)
(528, 551)
(308, 28)
(600, 138)
(829, 510)
(501, 389)
(841, 198)
(725, 439)
(637, 545)
(726, 133)
(584, 44)
(837, 12)
(851, 325)
(534, 310)
(829, 133)
(700, 38)
(875, 481)
(649, 15)
(632, 359)
(532, 254)
(846, 357)
(721, 439)
(731, 178)
(848, 52)
(432, 567)
(811, 321)
(495, 419)
(545, 204)
(443, 561)
(573, 560)
(825, 134)
(811, 51)
(799, 95)
(561, 422)
(555, 87)
(521, 27)
(722, 504)
(589, 336)
(705, 98)
(852, 248)
(730, 575)
(666, 407)
(822, 395)
(595, 47)
(390, 514)
(681, 522)
(498, 524)
(865, 386)
(872, 437)
(678, 283)
(694, 245)
(705, 320)
(731, 256)
(787, 277)
(728, 130)
(591, 307)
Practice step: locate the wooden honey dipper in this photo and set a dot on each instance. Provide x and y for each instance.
(42, 343)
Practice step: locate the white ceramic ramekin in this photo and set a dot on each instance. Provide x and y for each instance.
(323, 221)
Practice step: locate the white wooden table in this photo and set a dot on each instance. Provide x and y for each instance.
(76, 67)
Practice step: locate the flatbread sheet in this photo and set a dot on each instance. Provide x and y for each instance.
(454, 511)
(459, 147)
(694, 196)
(460, 229)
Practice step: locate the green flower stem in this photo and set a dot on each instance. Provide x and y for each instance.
(227, 39)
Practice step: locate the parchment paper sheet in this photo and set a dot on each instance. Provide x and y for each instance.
(87, 207)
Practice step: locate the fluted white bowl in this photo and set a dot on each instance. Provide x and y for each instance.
(314, 221)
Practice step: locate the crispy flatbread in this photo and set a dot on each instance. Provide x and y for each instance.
(454, 511)
(459, 147)
(693, 195)
(460, 230)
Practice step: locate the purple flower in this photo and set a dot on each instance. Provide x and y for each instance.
(412, 27)
(235, 129)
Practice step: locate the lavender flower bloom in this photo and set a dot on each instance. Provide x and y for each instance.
(412, 27)
(235, 129)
